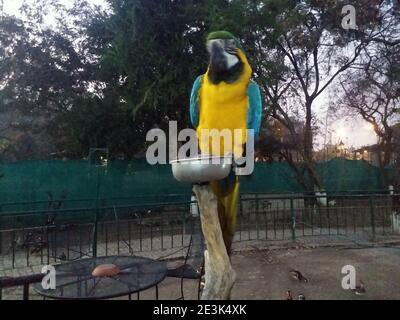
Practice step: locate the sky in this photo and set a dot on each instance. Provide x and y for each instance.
(356, 133)
(11, 6)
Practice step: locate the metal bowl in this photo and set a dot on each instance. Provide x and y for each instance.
(201, 169)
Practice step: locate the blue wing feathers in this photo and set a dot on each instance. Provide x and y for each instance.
(194, 102)
(255, 108)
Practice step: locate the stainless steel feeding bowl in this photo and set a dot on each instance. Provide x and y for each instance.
(201, 169)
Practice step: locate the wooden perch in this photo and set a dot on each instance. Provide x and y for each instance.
(219, 274)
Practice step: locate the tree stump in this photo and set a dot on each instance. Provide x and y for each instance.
(219, 274)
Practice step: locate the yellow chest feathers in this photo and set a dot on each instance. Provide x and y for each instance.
(224, 107)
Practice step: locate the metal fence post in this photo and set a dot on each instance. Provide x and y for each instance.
(26, 291)
(293, 218)
(96, 219)
(371, 205)
(95, 231)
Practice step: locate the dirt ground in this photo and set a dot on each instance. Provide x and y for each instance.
(264, 275)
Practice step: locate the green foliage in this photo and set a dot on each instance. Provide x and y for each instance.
(103, 78)
(131, 70)
(149, 54)
(152, 54)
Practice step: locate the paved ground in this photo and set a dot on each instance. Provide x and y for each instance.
(263, 273)
(268, 278)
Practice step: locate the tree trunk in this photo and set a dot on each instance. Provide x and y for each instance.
(219, 274)
(385, 153)
(308, 149)
(308, 136)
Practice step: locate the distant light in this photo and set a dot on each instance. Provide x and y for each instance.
(370, 127)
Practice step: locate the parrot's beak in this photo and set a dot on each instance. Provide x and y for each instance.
(218, 58)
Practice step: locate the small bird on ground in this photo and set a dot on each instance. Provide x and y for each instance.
(301, 297)
(289, 295)
(360, 290)
(295, 274)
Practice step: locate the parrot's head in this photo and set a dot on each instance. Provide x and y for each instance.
(226, 57)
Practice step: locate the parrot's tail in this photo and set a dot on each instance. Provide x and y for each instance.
(227, 192)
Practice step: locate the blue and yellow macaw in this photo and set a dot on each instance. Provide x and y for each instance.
(226, 98)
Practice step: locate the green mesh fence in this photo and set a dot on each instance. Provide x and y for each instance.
(78, 183)
(271, 178)
(337, 175)
(341, 175)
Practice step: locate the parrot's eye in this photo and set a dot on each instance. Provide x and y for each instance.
(230, 46)
(231, 43)
(231, 50)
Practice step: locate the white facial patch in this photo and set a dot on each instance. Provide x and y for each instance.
(231, 59)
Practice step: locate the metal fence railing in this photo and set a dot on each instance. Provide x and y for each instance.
(36, 238)
(31, 239)
(298, 216)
